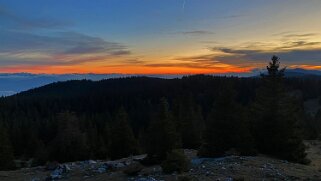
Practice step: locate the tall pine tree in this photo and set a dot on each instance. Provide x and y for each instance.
(70, 143)
(275, 117)
(190, 122)
(226, 127)
(162, 136)
(123, 142)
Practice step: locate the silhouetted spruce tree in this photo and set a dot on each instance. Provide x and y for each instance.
(162, 136)
(276, 119)
(97, 144)
(6, 152)
(106, 137)
(190, 123)
(70, 143)
(226, 127)
(32, 142)
(123, 142)
(98, 135)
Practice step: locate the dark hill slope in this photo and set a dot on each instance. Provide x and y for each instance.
(112, 93)
(32, 120)
(99, 96)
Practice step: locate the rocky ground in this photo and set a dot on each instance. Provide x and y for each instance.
(225, 168)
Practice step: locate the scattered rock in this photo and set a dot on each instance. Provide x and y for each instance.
(56, 174)
(228, 168)
(115, 164)
(139, 158)
(102, 169)
(60, 172)
(91, 162)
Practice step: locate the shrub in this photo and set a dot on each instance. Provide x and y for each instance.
(176, 161)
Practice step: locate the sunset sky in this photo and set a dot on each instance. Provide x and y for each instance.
(157, 36)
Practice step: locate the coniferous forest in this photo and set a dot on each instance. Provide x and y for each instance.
(116, 118)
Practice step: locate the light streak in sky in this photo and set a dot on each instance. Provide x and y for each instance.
(184, 3)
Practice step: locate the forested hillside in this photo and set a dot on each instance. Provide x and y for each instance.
(115, 118)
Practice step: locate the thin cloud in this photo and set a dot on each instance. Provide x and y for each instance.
(292, 52)
(296, 35)
(121, 52)
(23, 22)
(196, 32)
(298, 44)
(58, 48)
(312, 56)
(300, 35)
(209, 58)
(190, 65)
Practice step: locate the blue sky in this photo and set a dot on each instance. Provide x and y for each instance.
(157, 36)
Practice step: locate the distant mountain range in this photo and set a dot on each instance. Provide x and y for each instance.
(11, 83)
(302, 72)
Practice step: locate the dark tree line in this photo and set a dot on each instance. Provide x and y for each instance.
(115, 118)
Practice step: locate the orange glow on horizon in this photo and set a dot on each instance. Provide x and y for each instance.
(122, 69)
(308, 67)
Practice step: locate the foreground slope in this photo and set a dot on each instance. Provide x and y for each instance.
(224, 168)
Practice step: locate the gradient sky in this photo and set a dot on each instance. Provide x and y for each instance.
(157, 36)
